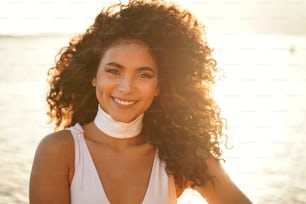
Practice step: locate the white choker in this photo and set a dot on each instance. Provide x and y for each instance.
(116, 129)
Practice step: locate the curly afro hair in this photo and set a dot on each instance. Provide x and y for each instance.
(184, 120)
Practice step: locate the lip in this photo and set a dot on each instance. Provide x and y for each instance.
(123, 102)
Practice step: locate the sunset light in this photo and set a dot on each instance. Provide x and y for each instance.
(260, 49)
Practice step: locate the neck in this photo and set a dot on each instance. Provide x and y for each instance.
(105, 123)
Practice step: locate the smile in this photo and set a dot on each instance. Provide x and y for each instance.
(123, 102)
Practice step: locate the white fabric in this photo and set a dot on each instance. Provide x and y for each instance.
(116, 129)
(87, 188)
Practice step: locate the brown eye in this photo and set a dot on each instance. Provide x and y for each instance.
(145, 76)
(112, 71)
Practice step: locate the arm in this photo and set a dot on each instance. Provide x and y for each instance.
(224, 191)
(51, 170)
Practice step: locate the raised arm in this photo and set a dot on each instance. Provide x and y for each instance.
(51, 170)
(224, 191)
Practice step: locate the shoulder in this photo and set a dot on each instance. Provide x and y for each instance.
(56, 147)
(57, 141)
(52, 169)
(55, 153)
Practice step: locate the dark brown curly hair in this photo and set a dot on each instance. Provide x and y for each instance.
(184, 120)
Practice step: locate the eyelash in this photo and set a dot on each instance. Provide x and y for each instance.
(144, 75)
(113, 71)
(140, 75)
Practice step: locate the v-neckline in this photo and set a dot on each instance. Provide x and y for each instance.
(100, 181)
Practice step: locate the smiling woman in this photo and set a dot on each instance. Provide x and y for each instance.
(126, 80)
(132, 96)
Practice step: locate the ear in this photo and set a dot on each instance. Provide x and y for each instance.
(94, 82)
(156, 91)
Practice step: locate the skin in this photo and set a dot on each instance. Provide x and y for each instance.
(126, 83)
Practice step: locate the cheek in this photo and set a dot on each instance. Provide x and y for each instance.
(103, 83)
(102, 89)
(151, 91)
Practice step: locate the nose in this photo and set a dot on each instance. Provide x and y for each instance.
(126, 84)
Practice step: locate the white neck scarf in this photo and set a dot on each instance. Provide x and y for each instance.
(116, 129)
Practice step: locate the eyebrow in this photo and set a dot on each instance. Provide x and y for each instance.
(144, 68)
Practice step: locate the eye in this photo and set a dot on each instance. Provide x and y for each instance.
(113, 71)
(145, 76)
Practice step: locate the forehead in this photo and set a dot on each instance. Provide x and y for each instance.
(130, 54)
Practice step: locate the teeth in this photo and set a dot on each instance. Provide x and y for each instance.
(126, 103)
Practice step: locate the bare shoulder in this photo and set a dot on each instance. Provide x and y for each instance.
(56, 147)
(57, 141)
(52, 169)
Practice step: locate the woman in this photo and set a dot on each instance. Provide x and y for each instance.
(132, 96)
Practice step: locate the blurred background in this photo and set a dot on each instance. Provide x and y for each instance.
(260, 47)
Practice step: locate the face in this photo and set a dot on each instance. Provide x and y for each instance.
(126, 81)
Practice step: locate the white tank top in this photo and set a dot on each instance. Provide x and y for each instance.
(87, 188)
